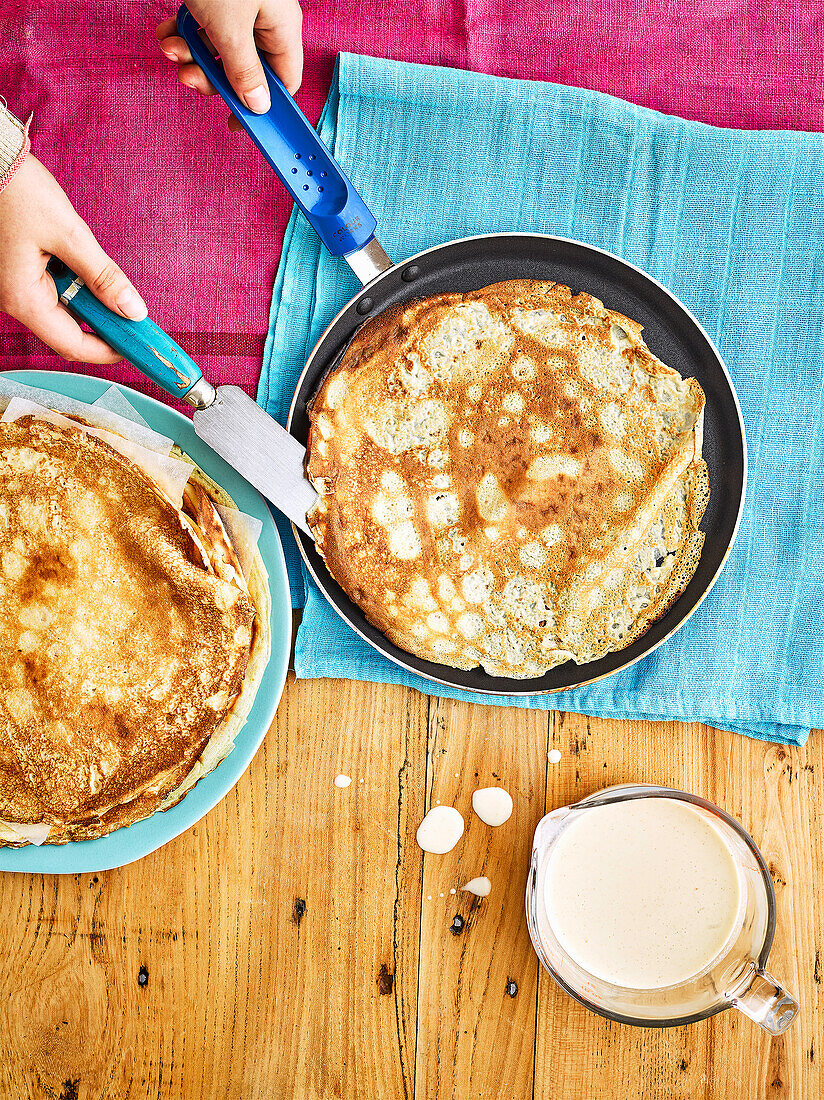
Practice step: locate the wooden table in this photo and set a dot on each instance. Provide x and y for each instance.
(296, 943)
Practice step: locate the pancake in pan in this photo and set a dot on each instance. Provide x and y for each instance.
(130, 646)
(508, 478)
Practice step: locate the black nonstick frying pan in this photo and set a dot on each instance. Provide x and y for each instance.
(670, 330)
(236, 427)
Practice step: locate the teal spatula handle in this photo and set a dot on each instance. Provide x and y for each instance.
(141, 342)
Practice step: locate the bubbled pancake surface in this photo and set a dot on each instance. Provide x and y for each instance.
(508, 478)
(121, 649)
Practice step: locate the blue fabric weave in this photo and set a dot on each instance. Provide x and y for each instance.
(731, 221)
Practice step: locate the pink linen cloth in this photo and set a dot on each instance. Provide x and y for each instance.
(196, 217)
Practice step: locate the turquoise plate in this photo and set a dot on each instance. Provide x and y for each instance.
(126, 845)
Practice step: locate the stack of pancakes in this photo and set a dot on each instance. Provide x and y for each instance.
(508, 478)
(131, 642)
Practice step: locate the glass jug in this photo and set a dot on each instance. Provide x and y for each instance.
(735, 975)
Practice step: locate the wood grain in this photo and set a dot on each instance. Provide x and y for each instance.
(344, 1024)
(295, 944)
(478, 973)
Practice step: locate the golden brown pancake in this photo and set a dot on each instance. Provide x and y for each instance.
(126, 634)
(508, 478)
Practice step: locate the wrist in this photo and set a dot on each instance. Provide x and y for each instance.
(14, 146)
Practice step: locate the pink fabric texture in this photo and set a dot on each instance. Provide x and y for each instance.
(196, 217)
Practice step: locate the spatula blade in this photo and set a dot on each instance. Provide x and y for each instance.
(260, 449)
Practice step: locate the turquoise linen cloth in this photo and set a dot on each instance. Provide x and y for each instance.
(731, 221)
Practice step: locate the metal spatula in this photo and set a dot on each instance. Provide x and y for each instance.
(226, 418)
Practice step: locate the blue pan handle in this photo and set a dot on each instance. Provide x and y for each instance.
(141, 342)
(304, 165)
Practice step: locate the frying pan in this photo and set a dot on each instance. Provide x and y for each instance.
(347, 228)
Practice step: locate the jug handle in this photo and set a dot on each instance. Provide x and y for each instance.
(765, 1001)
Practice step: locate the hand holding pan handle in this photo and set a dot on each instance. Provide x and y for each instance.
(302, 162)
(318, 185)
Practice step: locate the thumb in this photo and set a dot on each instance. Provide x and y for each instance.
(100, 273)
(245, 72)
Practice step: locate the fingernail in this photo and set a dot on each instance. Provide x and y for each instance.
(132, 305)
(172, 56)
(258, 100)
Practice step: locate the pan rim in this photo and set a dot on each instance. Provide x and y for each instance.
(514, 691)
